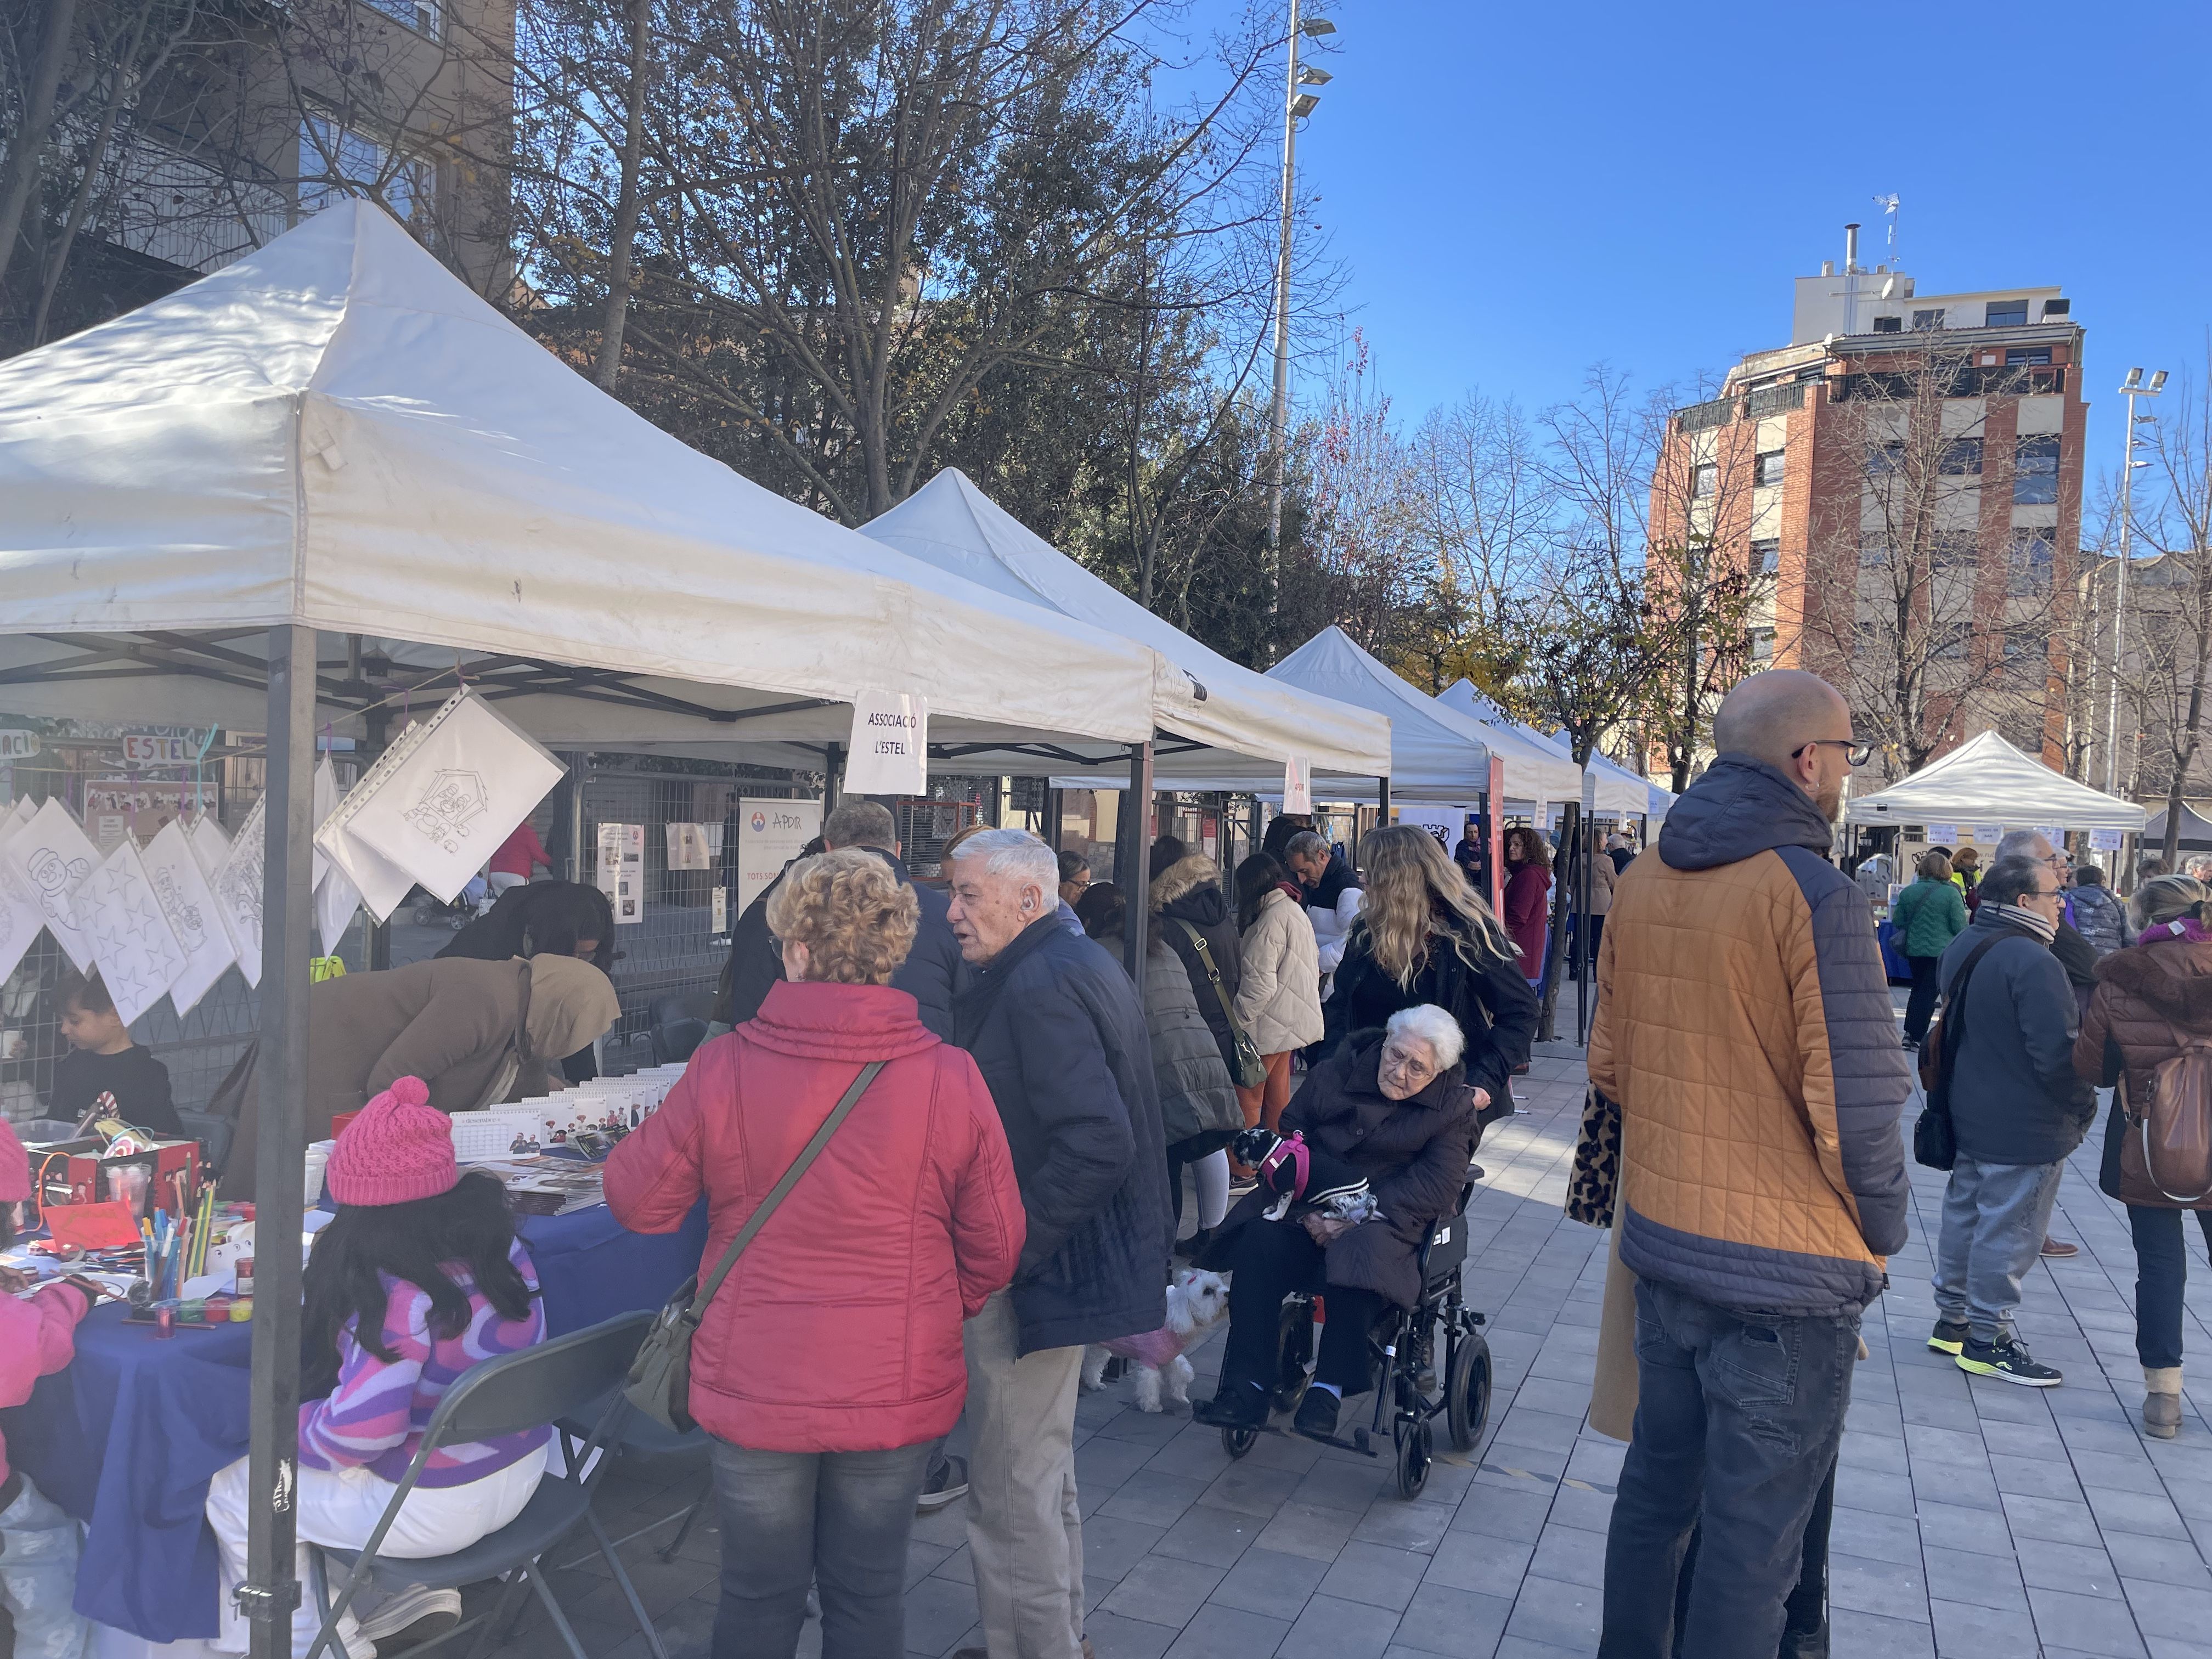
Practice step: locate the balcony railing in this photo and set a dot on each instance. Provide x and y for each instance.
(1700, 418)
(1776, 400)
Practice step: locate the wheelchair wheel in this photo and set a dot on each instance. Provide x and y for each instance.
(1238, 1442)
(1294, 1345)
(1466, 1391)
(1411, 1436)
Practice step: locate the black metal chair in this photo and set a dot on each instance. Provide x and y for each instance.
(676, 1032)
(535, 1388)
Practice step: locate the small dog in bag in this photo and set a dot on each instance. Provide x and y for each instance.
(1305, 1179)
(1197, 1301)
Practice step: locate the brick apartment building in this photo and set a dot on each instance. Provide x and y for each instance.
(1904, 480)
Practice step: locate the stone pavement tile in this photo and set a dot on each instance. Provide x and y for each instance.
(1960, 1527)
(1867, 1636)
(1116, 1637)
(2100, 1433)
(1967, 1629)
(1565, 1615)
(1945, 1412)
(1894, 1589)
(1375, 1574)
(1515, 1460)
(2169, 1610)
(1519, 1647)
(1457, 1624)
(1221, 1633)
(1981, 1581)
(2165, 1561)
(2136, 1511)
(1332, 1629)
(2084, 1568)
(924, 1560)
(938, 1612)
(1469, 1561)
(1210, 1536)
(1417, 1527)
(1302, 1529)
(1112, 1546)
(2162, 1647)
(1293, 1452)
(1592, 1511)
(1163, 1591)
(1251, 1489)
(1196, 1452)
(1151, 1428)
(2011, 1438)
(1529, 1425)
(1950, 1448)
(1100, 1461)
(2117, 1470)
(1497, 1513)
(959, 1567)
(1886, 1453)
(1268, 1581)
(1451, 1477)
(1570, 1555)
(685, 1631)
(1960, 1486)
(2034, 1477)
(1351, 1486)
(1876, 1537)
(1156, 1499)
(2086, 1623)
(1597, 1461)
(2058, 1519)
(1873, 1489)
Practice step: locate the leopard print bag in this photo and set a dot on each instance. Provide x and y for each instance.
(1595, 1177)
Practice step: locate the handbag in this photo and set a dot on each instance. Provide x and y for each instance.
(1594, 1180)
(1934, 1138)
(660, 1383)
(1248, 1071)
(2166, 1152)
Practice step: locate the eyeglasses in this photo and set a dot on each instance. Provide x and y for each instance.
(1855, 751)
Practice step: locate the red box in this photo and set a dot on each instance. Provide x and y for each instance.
(74, 1172)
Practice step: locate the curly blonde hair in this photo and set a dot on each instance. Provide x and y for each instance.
(1414, 894)
(856, 919)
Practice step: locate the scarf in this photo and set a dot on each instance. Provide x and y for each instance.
(2027, 921)
(1292, 890)
(2188, 927)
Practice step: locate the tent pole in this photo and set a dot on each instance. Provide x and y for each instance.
(1136, 880)
(833, 776)
(271, 1592)
(1383, 801)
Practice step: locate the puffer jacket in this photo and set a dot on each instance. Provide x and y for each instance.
(1745, 1026)
(2015, 1098)
(1927, 917)
(2100, 918)
(1189, 891)
(1332, 906)
(1527, 915)
(1603, 877)
(2150, 999)
(1278, 999)
(810, 1347)
(1196, 1097)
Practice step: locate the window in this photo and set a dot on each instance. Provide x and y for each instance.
(2035, 470)
(423, 16)
(1961, 458)
(2057, 308)
(2028, 572)
(335, 162)
(1949, 641)
(1766, 557)
(1705, 479)
(2017, 355)
(1885, 458)
(2008, 313)
(1889, 325)
(1762, 644)
(1873, 553)
(1768, 467)
(1922, 321)
(1951, 550)
(2025, 646)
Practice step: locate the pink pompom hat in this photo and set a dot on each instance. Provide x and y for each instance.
(398, 1149)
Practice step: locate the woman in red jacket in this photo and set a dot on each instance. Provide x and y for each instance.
(1528, 889)
(830, 1362)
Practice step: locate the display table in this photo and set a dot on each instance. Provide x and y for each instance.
(127, 1438)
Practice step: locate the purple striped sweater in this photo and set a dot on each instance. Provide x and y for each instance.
(376, 1416)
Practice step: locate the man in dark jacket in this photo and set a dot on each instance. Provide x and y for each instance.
(1744, 1026)
(1187, 898)
(1054, 1023)
(932, 971)
(2074, 953)
(2018, 1108)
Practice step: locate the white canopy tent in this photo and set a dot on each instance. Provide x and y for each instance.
(1619, 791)
(954, 526)
(1986, 780)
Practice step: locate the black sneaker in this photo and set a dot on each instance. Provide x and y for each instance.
(1948, 1338)
(1317, 1414)
(947, 1484)
(1234, 1406)
(2007, 1360)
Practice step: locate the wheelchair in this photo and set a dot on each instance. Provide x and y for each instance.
(1402, 1348)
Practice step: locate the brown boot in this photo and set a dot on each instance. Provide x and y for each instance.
(2162, 1404)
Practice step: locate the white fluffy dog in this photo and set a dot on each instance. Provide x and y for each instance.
(1197, 1301)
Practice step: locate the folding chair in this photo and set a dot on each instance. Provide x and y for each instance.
(535, 1388)
(657, 1448)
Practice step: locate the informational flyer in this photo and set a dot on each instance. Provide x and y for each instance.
(1297, 784)
(890, 751)
(687, 846)
(770, 834)
(622, 870)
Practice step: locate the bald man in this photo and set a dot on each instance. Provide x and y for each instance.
(1744, 1025)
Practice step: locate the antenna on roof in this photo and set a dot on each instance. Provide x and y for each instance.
(1888, 204)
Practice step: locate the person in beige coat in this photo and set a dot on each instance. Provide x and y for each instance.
(1279, 997)
(478, 1033)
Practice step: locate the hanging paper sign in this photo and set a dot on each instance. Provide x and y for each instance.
(139, 954)
(151, 749)
(188, 902)
(890, 744)
(16, 745)
(50, 852)
(21, 919)
(1987, 834)
(237, 890)
(622, 869)
(2105, 841)
(2053, 834)
(1943, 834)
(327, 796)
(1297, 784)
(687, 846)
(770, 834)
(721, 905)
(383, 886)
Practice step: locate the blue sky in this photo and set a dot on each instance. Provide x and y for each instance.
(1518, 191)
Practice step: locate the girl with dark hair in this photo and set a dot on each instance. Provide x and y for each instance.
(417, 1278)
(567, 918)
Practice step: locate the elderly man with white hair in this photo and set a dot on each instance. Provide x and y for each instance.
(1055, 1027)
(2074, 953)
(1394, 1105)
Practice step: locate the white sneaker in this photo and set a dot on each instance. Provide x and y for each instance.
(410, 1616)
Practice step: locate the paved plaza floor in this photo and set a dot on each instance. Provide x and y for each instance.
(1973, 1516)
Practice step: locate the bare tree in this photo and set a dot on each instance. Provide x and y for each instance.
(2171, 597)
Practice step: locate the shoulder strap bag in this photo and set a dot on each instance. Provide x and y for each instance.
(1250, 1071)
(1934, 1139)
(660, 1377)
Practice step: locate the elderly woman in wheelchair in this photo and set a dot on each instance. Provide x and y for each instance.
(1354, 1204)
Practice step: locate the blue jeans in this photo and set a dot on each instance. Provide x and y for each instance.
(790, 1519)
(1738, 1420)
(2162, 1270)
(1994, 1217)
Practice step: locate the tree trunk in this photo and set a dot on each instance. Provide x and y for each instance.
(626, 204)
(21, 172)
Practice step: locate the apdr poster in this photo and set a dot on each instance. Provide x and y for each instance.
(622, 870)
(770, 834)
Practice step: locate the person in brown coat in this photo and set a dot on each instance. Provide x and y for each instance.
(478, 1032)
(2152, 999)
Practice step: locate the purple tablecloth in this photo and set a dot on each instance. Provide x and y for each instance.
(127, 1438)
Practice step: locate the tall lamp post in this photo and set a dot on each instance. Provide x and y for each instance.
(2132, 389)
(1297, 104)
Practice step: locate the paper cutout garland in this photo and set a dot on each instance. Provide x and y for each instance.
(181, 885)
(139, 954)
(51, 852)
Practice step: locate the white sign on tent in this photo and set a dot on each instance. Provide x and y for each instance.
(2106, 840)
(770, 834)
(890, 744)
(1943, 834)
(1297, 784)
(1989, 834)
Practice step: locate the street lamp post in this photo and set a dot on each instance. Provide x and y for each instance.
(2132, 389)
(1297, 104)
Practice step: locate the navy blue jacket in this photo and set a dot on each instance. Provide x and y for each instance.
(1055, 1026)
(2015, 1095)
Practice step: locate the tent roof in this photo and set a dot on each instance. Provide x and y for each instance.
(1987, 781)
(1619, 789)
(1436, 754)
(335, 432)
(952, 524)
(2195, 828)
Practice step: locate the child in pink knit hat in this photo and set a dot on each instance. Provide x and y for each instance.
(38, 1542)
(416, 1278)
